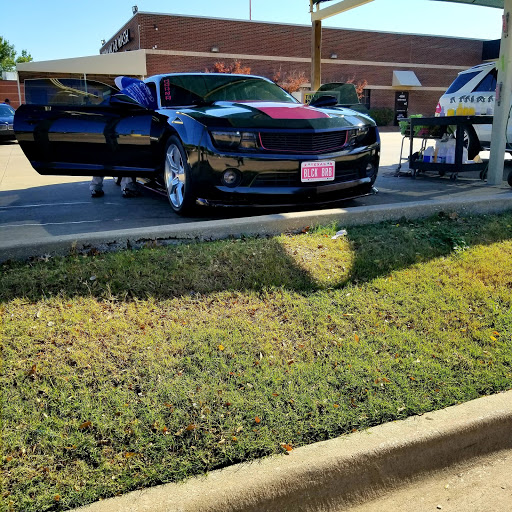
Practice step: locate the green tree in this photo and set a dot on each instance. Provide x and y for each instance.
(8, 57)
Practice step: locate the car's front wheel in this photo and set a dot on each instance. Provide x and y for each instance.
(471, 142)
(177, 177)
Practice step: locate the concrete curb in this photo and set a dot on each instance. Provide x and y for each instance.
(253, 226)
(330, 474)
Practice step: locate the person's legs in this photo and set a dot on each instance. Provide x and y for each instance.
(129, 187)
(96, 186)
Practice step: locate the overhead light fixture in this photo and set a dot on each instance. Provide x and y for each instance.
(334, 55)
(155, 47)
(214, 49)
(103, 42)
(155, 27)
(135, 9)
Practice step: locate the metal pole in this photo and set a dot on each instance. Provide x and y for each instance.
(503, 101)
(250, 10)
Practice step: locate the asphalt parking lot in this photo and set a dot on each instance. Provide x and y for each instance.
(39, 210)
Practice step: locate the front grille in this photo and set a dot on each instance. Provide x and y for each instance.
(292, 178)
(304, 143)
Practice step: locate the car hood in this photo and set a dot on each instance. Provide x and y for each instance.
(265, 114)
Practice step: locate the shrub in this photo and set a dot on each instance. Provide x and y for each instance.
(382, 116)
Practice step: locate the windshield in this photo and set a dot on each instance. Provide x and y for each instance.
(461, 81)
(5, 110)
(182, 90)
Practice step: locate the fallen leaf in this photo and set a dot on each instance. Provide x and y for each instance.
(356, 337)
(221, 347)
(286, 447)
(129, 454)
(32, 370)
(85, 424)
(257, 420)
(191, 427)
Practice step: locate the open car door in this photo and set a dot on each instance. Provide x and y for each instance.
(83, 128)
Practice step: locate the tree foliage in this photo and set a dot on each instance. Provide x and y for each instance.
(290, 81)
(235, 67)
(8, 59)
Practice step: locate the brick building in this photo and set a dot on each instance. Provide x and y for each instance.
(189, 43)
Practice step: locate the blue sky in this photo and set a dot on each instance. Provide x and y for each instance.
(58, 29)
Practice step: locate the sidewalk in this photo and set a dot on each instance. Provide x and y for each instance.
(28, 228)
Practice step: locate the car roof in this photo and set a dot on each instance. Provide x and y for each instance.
(480, 67)
(207, 74)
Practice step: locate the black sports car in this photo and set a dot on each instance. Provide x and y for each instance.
(205, 138)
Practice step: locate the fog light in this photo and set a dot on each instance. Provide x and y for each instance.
(231, 177)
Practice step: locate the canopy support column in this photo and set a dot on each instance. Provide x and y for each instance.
(316, 53)
(503, 101)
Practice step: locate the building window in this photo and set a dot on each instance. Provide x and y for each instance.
(365, 100)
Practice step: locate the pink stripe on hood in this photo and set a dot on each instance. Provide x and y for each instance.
(286, 110)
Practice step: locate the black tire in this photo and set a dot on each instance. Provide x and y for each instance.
(471, 142)
(177, 177)
(509, 179)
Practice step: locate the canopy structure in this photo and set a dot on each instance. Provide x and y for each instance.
(121, 63)
(316, 43)
(484, 3)
(405, 79)
(503, 90)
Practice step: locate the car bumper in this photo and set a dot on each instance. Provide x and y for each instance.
(6, 131)
(277, 181)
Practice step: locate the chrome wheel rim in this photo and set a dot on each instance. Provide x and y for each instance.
(174, 176)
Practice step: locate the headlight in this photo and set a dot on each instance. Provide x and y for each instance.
(361, 133)
(360, 136)
(234, 140)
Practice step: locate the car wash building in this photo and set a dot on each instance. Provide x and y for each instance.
(403, 72)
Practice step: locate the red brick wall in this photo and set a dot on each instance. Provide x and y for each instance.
(195, 34)
(9, 89)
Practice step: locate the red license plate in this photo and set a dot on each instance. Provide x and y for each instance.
(317, 171)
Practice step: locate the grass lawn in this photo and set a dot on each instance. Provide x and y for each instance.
(121, 371)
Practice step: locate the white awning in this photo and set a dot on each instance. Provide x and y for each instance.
(121, 63)
(405, 79)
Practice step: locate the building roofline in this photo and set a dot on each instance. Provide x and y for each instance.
(298, 25)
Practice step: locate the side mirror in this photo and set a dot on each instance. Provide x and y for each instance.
(324, 101)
